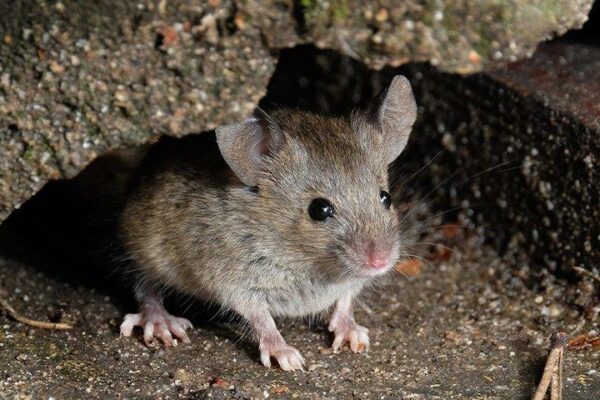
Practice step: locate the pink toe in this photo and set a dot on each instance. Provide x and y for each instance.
(163, 333)
(178, 330)
(283, 362)
(129, 322)
(149, 333)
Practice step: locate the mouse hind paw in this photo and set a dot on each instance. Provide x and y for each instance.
(157, 324)
(288, 358)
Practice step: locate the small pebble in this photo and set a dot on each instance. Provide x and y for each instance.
(538, 299)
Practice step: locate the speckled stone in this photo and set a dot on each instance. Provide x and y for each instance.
(79, 78)
(520, 152)
(456, 36)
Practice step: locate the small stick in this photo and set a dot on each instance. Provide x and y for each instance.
(37, 324)
(553, 364)
(556, 387)
(585, 272)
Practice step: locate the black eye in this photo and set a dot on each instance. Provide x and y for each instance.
(385, 199)
(320, 209)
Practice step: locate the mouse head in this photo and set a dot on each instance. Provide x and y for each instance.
(322, 198)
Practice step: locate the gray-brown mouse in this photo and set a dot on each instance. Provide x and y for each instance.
(283, 214)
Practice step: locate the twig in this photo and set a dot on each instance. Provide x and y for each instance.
(37, 324)
(587, 273)
(553, 369)
(556, 386)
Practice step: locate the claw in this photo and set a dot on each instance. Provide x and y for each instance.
(157, 324)
(349, 332)
(288, 358)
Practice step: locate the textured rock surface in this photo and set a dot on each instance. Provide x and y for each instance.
(466, 329)
(561, 160)
(78, 78)
(459, 36)
(520, 152)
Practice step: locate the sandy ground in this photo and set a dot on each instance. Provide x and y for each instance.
(466, 327)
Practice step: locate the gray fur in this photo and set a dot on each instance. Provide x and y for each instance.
(193, 224)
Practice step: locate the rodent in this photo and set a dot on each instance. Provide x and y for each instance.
(284, 214)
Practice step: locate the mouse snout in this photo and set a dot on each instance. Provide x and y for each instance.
(377, 257)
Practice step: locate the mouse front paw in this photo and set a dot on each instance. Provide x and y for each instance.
(288, 358)
(157, 324)
(347, 331)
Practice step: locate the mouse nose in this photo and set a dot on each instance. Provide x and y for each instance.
(378, 263)
(377, 258)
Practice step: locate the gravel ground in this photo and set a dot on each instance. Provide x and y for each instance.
(465, 326)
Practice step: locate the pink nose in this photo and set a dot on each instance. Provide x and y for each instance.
(377, 258)
(377, 263)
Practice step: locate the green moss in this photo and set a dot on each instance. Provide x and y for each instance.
(325, 13)
(452, 26)
(340, 10)
(307, 4)
(30, 154)
(483, 46)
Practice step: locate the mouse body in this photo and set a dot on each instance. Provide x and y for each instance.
(285, 214)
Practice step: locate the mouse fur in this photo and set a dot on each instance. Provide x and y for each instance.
(223, 217)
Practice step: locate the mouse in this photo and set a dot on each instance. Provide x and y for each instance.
(284, 214)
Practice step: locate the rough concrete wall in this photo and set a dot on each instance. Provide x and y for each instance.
(458, 35)
(78, 78)
(521, 151)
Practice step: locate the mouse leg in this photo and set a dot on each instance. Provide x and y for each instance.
(271, 343)
(155, 319)
(344, 328)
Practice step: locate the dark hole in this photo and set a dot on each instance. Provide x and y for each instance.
(159, 40)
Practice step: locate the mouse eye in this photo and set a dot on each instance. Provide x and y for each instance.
(385, 199)
(320, 209)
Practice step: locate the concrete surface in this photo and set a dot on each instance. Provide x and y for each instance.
(465, 327)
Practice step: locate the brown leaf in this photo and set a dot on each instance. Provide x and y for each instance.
(410, 267)
(440, 254)
(221, 383)
(451, 230)
(240, 21)
(279, 389)
(169, 35)
(582, 342)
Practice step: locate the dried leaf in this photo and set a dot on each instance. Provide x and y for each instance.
(451, 231)
(169, 35)
(221, 383)
(279, 389)
(410, 267)
(440, 254)
(583, 342)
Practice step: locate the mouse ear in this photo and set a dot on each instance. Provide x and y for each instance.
(393, 112)
(245, 145)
